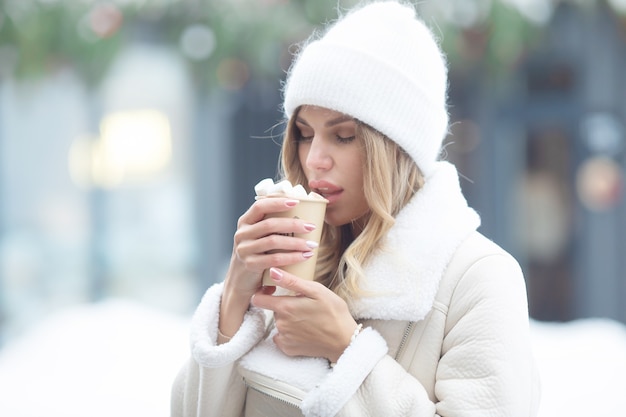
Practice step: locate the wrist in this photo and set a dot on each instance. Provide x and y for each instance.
(355, 334)
(222, 338)
(233, 307)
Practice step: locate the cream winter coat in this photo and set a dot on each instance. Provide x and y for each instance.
(466, 351)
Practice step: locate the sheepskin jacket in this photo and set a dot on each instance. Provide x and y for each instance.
(446, 333)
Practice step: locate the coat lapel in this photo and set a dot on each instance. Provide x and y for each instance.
(402, 279)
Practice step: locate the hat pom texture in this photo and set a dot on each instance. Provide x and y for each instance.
(381, 65)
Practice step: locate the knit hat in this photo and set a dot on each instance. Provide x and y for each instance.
(381, 65)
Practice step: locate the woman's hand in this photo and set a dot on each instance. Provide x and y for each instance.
(260, 242)
(315, 322)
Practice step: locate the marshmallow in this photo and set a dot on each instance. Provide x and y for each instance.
(263, 187)
(283, 187)
(298, 191)
(315, 196)
(267, 187)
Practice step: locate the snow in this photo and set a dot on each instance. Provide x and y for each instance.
(115, 358)
(583, 367)
(120, 358)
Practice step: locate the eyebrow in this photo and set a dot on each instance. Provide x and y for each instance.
(330, 123)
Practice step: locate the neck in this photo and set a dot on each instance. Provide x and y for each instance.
(356, 226)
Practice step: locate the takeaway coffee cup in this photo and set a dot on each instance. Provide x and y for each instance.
(312, 209)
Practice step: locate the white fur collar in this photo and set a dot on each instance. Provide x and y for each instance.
(404, 276)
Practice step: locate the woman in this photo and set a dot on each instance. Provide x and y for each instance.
(413, 312)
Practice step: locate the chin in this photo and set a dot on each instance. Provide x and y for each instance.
(340, 221)
(330, 222)
(335, 221)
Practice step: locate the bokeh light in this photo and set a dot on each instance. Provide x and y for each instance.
(133, 146)
(233, 73)
(600, 183)
(197, 42)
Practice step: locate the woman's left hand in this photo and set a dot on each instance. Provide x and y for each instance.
(314, 322)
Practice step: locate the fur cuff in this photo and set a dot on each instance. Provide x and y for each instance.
(351, 369)
(204, 324)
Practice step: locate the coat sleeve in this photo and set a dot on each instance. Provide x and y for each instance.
(487, 366)
(208, 384)
(485, 369)
(366, 381)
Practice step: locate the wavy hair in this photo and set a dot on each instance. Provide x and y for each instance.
(390, 179)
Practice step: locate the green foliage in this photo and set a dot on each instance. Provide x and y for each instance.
(45, 36)
(251, 37)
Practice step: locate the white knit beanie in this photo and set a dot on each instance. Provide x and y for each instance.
(381, 65)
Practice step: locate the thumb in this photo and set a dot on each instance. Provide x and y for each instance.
(293, 283)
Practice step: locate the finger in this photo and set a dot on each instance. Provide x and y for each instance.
(276, 303)
(298, 286)
(268, 290)
(264, 206)
(262, 299)
(273, 243)
(261, 261)
(281, 343)
(280, 227)
(286, 225)
(295, 284)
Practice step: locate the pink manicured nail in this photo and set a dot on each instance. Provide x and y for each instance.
(291, 203)
(311, 244)
(307, 254)
(309, 226)
(276, 274)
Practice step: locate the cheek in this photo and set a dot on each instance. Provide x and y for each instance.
(360, 185)
(302, 152)
(301, 155)
(358, 204)
(357, 169)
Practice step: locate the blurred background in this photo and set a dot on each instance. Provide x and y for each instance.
(132, 133)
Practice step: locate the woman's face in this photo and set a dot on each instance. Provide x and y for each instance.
(332, 159)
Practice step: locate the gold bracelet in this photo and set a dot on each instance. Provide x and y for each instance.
(358, 329)
(223, 336)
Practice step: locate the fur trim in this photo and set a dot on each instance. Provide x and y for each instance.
(204, 324)
(302, 372)
(404, 276)
(348, 374)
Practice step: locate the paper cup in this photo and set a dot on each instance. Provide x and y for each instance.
(313, 211)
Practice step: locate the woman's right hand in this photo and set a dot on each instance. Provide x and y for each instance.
(260, 242)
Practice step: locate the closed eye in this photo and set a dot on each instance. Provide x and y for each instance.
(342, 139)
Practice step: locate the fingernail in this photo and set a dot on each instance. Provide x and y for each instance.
(307, 254)
(276, 274)
(309, 226)
(311, 244)
(291, 203)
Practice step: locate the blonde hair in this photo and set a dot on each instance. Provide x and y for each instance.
(390, 179)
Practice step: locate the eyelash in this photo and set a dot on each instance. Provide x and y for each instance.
(339, 139)
(345, 140)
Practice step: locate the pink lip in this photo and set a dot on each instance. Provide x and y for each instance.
(328, 190)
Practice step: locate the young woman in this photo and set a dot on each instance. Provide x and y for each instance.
(413, 312)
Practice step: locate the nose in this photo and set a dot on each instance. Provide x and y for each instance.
(318, 156)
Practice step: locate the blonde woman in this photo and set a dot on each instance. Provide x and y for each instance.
(413, 312)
